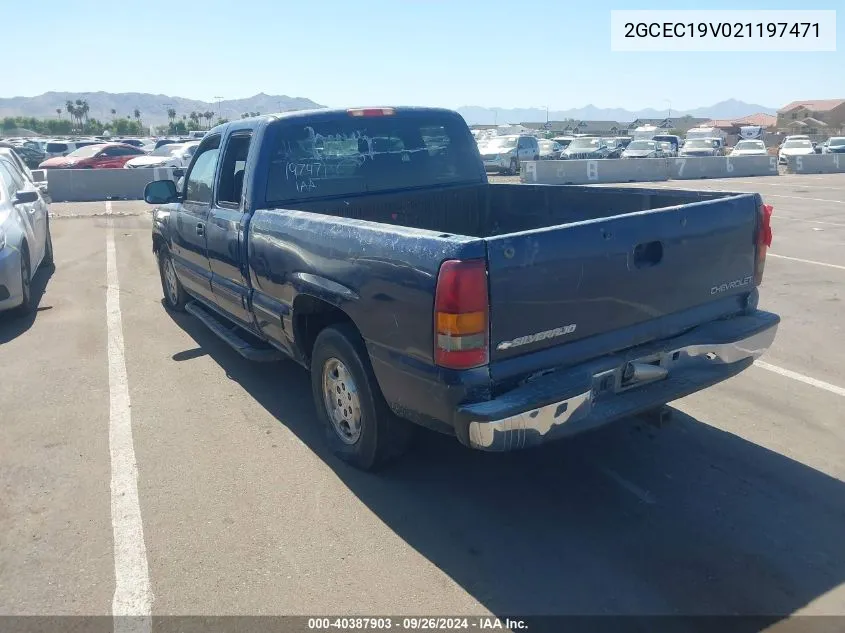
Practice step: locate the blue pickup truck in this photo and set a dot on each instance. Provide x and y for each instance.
(368, 246)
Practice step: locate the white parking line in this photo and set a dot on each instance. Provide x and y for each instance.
(807, 380)
(807, 261)
(784, 217)
(643, 495)
(777, 195)
(132, 602)
(767, 183)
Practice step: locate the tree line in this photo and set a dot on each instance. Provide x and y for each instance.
(78, 121)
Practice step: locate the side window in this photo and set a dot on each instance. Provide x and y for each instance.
(232, 169)
(110, 151)
(15, 178)
(200, 180)
(6, 181)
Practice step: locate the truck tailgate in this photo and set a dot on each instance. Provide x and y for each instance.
(559, 284)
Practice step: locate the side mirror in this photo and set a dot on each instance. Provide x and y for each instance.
(26, 197)
(160, 192)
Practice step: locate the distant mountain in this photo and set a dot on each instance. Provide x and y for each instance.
(723, 110)
(153, 107)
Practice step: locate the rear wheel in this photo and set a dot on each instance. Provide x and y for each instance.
(48, 248)
(514, 167)
(175, 296)
(26, 284)
(359, 426)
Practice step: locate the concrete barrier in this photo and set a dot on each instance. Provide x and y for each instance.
(816, 164)
(585, 172)
(692, 167)
(91, 185)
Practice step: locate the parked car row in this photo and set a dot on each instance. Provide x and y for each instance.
(505, 154)
(118, 155)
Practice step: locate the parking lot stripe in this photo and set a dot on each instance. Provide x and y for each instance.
(784, 217)
(777, 195)
(807, 261)
(807, 380)
(132, 602)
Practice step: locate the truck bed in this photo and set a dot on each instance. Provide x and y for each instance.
(488, 210)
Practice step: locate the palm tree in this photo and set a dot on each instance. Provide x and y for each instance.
(113, 113)
(208, 115)
(171, 114)
(71, 110)
(59, 112)
(255, 114)
(85, 108)
(245, 115)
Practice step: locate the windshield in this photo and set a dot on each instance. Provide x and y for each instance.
(500, 141)
(166, 150)
(86, 152)
(340, 155)
(798, 143)
(750, 145)
(699, 143)
(837, 140)
(642, 145)
(584, 143)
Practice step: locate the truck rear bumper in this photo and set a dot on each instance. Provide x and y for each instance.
(576, 399)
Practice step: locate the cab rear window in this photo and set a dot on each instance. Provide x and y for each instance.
(345, 155)
(56, 147)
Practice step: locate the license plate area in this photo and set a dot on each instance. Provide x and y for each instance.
(632, 374)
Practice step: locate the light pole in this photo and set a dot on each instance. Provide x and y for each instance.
(669, 103)
(218, 99)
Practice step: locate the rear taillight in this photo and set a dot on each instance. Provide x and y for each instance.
(370, 111)
(763, 241)
(461, 311)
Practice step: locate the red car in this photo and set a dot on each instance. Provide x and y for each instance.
(101, 156)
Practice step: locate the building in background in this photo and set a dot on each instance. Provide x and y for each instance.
(816, 117)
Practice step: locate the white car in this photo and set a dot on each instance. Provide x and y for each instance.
(171, 155)
(795, 147)
(750, 148)
(25, 242)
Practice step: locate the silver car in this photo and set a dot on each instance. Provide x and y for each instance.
(25, 242)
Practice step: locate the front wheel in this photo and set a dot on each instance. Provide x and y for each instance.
(175, 296)
(359, 426)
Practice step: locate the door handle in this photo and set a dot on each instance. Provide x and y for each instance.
(200, 229)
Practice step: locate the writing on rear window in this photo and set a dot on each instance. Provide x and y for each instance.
(341, 156)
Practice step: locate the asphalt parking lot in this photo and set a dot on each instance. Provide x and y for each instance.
(736, 506)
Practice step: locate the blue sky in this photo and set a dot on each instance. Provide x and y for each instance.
(425, 52)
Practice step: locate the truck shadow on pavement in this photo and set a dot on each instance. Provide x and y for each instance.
(632, 519)
(13, 325)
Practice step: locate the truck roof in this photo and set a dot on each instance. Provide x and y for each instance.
(330, 112)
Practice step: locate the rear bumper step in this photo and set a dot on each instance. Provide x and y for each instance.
(590, 395)
(229, 334)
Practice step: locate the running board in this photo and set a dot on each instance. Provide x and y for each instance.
(230, 336)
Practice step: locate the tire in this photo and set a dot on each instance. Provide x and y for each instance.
(48, 248)
(26, 305)
(513, 170)
(341, 370)
(175, 296)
